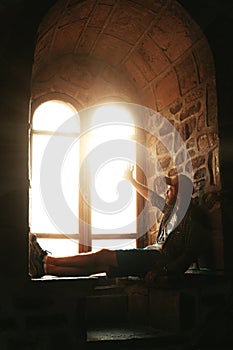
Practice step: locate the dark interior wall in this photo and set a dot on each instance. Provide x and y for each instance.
(19, 22)
(220, 38)
(216, 20)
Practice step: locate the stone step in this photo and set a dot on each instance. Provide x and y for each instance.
(106, 308)
(126, 336)
(108, 290)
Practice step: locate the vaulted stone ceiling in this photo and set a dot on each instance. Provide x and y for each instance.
(134, 46)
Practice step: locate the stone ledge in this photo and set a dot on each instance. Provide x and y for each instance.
(181, 301)
(191, 278)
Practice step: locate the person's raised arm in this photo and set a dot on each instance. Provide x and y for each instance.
(143, 190)
(140, 188)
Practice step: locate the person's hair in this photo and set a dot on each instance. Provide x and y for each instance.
(184, 184)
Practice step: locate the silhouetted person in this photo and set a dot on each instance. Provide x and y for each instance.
(182, 238)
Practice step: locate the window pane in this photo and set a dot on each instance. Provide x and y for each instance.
(40, 220)
(113, 199)
(118, 218)
(59, 247)
(51, 115)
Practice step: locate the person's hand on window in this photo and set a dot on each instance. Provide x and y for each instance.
(128, 174)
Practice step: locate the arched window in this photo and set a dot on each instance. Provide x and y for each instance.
(50, 127)
(56, 168)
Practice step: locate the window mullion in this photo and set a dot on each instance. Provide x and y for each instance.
(85, 242)
(141, 241)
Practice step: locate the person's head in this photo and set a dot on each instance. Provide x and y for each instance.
(180, 187)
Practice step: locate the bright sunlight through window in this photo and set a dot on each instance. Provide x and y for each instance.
(107, 133)
(50, 120)
(119, 126)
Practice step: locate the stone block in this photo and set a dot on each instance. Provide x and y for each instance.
(106, 308)
(187, 74)
(138, 307)
(166, 89)
(164, 309)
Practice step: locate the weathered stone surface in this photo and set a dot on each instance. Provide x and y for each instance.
(79, 12)
(166, 89)
(187, 74)
(128, 22)
(166, 129)
(173, 21)
(198, 93)
(204, 60)
(213, 139)
(176, 107)
(190, 110)
(200, 173)
(190, 143)
(165, 162)
(150, 59)
(163, 147)
(137, 78)
(155, 6)
(198, 162)
(86, 41)
(201, 122)
(100, 15)
(111, 50)
(148, 98)
(188, 167)
(211, 105)
(203, 142)
(42, 50)
(189, 128)
(180, 158)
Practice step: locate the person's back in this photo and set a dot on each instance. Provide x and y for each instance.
(191, 239)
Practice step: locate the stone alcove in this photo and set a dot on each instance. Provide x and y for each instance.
(146, 52)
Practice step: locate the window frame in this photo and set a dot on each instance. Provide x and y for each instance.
(85, 236)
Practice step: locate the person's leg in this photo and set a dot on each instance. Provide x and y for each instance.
(82, 264)
(79, 265)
